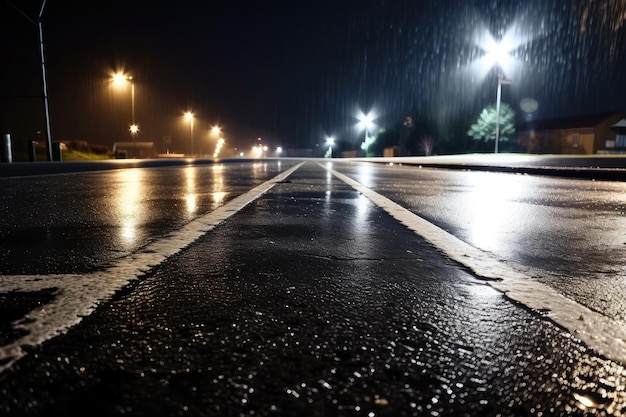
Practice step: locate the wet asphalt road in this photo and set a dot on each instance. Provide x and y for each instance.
(288, 309)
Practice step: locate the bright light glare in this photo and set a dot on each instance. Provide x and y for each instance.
(119, 78)
(257, 151)
(188, 116)
(191, 203)
(216, 130)
(134, 128)
(491, 202)
(499, 52)
(330, 141)
(366, 121)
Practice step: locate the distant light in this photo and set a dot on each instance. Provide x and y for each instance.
(218, 147)
(330, 141)
(188, 116)
(279, 149)
(134, 128)
(216, 130)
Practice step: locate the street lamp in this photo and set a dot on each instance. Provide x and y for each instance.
(497, 54)
(501, 80)
(366, 121)
(133, 131)
(189, 117)
(216, 130)
(120, 78)
(330, 141)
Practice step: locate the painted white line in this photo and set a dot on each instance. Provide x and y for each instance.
(597, 331)
(78, 296)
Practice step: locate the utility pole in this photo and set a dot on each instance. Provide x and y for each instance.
(43, 72)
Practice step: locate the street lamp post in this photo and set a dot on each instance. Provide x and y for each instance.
(38, 23)
(330, 141)
(366, 121)
(118, 79)
(133, 131)
(501, 80)
(189, 118)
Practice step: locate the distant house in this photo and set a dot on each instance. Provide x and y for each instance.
(131, 150)
(583, 134)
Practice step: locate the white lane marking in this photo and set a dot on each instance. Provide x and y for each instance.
(600, 333)
(78, 296)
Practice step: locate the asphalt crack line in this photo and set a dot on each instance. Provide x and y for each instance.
(597, 331)
(78, 295)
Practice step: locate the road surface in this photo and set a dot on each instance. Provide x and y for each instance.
(303, 288)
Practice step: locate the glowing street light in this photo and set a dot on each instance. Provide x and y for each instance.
(366, 121)
(189, 117)
(498, 54)
(118, 79)
(133, 131)
(330, 141)
(216, 130)
(218, 147)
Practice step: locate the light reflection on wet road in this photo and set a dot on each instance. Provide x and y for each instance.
(77, 223)
(315, 279)
(564, 232)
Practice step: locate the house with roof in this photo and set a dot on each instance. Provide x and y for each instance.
(583, 134)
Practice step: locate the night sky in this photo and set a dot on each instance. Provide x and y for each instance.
(293, 72)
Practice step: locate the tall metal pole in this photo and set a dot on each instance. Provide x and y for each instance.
(501, 81)
(45, 85)
(191, 135)
(132, 109)
(43, 72)
(132, 98)
(498, 95)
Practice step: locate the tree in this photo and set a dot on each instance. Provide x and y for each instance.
(484, 130)
(374, 145)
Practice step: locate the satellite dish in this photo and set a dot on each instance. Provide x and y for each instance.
(529, 105)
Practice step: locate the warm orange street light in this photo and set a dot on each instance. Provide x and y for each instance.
(133, 130)
(118, 79)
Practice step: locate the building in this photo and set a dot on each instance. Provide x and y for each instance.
(583, 134)
(132, 150)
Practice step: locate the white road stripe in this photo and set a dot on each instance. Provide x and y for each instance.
(600, 333)
(78, 296)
